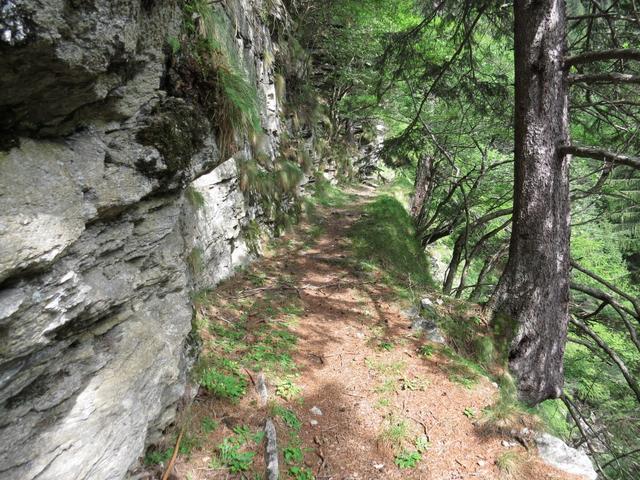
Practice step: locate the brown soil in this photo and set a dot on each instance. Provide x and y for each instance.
(357, 385)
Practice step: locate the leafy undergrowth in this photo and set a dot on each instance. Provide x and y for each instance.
(384, 240)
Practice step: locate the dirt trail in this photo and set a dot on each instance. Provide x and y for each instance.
(360, 365)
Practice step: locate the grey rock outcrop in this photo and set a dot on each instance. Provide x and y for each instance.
(98, 236)
(558, 454)
(423, 325)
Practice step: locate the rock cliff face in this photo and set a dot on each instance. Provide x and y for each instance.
(106, 231)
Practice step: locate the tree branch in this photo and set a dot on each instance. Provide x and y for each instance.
(599, 154)
(613, 355)
(613, 77)
(578, 418)
(617, 54)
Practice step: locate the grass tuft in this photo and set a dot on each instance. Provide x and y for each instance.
(385, 236)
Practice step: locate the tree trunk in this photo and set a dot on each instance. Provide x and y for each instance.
(531, 303)
(423, 187)
(454, 264)
(488, 266)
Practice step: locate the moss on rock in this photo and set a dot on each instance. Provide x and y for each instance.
(177, 131)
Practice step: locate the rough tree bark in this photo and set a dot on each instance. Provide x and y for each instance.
(423, 187)
(531, 303)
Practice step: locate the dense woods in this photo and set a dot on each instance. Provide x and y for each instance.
(519, 127)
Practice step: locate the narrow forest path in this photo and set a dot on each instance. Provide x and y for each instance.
(355, 394)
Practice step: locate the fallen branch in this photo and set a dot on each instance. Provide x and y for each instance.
(174, 456)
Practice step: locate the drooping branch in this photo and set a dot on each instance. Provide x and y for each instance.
(617, 54)
(634, 301)
(600, 154)
(620, 457)
(578, 419)
(613, 355)
(612, 77)
(608, 300)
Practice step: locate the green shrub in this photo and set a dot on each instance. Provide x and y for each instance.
(230, 455)
(386, 236)
(222, 385)
(301, 473)
(407, 459)
(293, 454)
(234, 104)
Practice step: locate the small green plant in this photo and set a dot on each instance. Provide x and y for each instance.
(234, 459)
(293, 455)
(156, 457)
(426, 351)
(508, 462)
(422, 444)
(385, 368)
(288, 417)
(209, 424)
(188, 444)
(466, 382)
(388, 386)
(395, 432)
(288, 390)
(386, 346)
(301, 473)
(258, 279)
(196, 260)
(243, 432)
(222, 385)
(174, 45)
(407, 459)
(383, 402)
(195, 198)
(414, 384)
(469, 412)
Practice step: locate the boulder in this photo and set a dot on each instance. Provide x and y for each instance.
(561, 456)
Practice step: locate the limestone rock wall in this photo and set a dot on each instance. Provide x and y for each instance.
(98, 235)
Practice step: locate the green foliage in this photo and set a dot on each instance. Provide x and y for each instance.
(386, 236)
(174, 45)
(407, 459)
(385, 368)
(328, 195)
(222, 385)
(233, 458)
(188, 444)
(301, 473)
(414, 384)
(156, 457)
(209, 424)
(234, 106)
(288, 417)
(195, 260)
(426, 350)
(288, 390)
(395, 431)
(293, 454)
(508, 462)
(554, 414)
(422, 444)
(195, 198)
